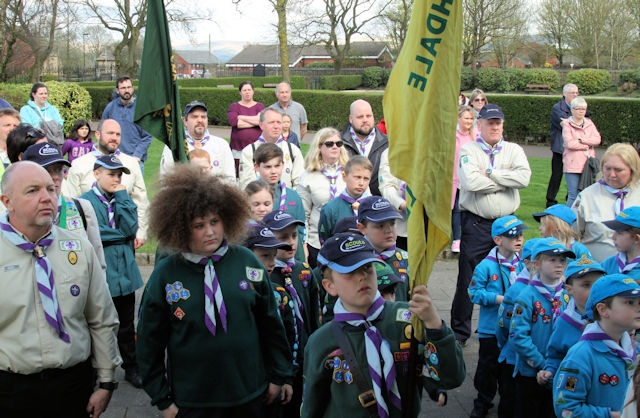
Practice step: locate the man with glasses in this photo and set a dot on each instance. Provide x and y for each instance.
(559, 114)
(361, 137)
(135, 140)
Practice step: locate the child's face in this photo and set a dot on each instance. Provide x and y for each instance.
(267, 257)
(270, 171)
(509, 245)
(356, 289)
(207, 234)
(381, 235)
(357, 181)
(624, 313)
(624, 241)
(201, 163)
(260, 203)
(108, 180)
(580, 289)
(547, 229)
(288, 235)
(286, 123)
(551, 268)
(83, 132)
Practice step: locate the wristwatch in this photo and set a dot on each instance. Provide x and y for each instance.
(488, 172)
(110, 386)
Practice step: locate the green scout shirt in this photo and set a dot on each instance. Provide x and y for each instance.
(294, 207)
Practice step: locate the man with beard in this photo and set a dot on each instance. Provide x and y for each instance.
(80, 178)
(361, 137)
(135, 140)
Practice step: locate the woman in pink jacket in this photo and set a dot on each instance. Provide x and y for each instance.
(580, 136)
(464, 133)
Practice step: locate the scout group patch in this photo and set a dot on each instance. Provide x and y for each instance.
(254, 274)
(175, 292)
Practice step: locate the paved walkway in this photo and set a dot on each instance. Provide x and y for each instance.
(129, 402)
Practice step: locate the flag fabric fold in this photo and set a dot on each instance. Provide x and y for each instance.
(420, 108)
(158, 106)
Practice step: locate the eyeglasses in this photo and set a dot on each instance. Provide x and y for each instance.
(35, 133)
(579, 108)
(479, 100)
(330, 144)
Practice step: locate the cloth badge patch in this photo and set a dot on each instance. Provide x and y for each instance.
(70, 245)
(464, 159)
(408, 330)
(243, 285)
(566, 413)
(566, 298)
(73, 224)
(72, 257)
(400, 356)
(179, 313)
(430, 371)
(403, 315)
(175, 292)
(254, 274)
(71, 210)
(75, 290)
(571, 383)
(560, 399)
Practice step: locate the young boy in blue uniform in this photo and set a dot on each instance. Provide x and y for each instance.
(626, 238)
(296, 291)
(117, 217)
(536, 309)
(344, 373)
(356, 175)
(592, 379)
(491, 279)
(377, 222)
(268, 161)
(579, 278)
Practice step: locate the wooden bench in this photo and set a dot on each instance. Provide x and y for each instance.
(225, 86)
(272, 85)
(538, 88)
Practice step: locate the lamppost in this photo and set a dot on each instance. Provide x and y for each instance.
(84, 54)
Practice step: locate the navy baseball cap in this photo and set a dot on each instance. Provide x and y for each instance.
(279, 220)
(110, 162)
(348, 224)
(626, 219)
(345, 252)
(561, 211)
(508, 226)
(580, 267)
(550, 246)
(44, 154)
(377, 209)
(491, 111)
(386, 276)
(261, 236)
(190, 106)
(612, 285)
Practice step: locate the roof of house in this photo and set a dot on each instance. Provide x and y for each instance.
(198, 57)
(269, 55)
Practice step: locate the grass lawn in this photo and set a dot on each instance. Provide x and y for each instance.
(532, 198)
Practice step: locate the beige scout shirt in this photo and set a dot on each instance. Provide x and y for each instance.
(494, 195)
(81, 178)
(28, 344)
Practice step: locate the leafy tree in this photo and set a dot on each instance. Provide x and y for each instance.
(395, 20)
(552, 24)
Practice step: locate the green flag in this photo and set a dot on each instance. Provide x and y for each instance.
(158, 106)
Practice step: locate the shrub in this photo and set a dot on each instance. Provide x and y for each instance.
(373, 77)
(630, 76)
(627, 87)
(517, 78)
(466, 78)
(340, 82)
(544, 76)
(590, 81)
(492, 79)
(320, 65)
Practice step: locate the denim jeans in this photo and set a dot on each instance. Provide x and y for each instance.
(572, 180)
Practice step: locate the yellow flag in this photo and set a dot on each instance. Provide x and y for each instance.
(420, 108)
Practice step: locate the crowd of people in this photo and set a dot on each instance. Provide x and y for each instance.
(259, 246)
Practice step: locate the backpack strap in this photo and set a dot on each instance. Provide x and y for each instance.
(81, 212)
(293, 159)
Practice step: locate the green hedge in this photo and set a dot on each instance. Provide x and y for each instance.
(590, 81)
(340, 82)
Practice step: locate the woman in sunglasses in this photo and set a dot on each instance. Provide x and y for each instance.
(477, 100)
(320, 182)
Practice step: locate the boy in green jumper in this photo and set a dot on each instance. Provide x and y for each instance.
(368, 338)
(296, 292)
(268, 161)
(377, 222)
(356, 175)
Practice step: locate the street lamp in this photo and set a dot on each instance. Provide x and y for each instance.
(84, 54)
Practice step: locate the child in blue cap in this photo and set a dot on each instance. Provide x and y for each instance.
(580, 275)
(536, 309)
(356, 365)
(626, 238)
(592, 379)
(556, 221)
(491, 279)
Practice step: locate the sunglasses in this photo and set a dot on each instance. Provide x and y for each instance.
(479, 100)
(330, 144)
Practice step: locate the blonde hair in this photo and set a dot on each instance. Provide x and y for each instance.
(561, 230)
(477, 92)
(629, 155)
(313, 160)
(578, 102)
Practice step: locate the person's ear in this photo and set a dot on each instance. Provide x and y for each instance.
(362, 228)
(329, 286)
(602, 309)
(497, 240)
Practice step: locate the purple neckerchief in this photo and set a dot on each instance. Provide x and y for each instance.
(262, 140)
(283, 196)
(620, 194)
(383, 373)
(388, 253)
(333, 187)
(625, 350)
(555, 298)
(362, 143)
(355, 203)
(626, 266)
(573, 317)
(192, 142)
(491, 152)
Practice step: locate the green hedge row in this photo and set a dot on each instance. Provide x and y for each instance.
(340, 82)
(297, 82)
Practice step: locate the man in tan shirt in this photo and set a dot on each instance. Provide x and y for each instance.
(57, 321)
